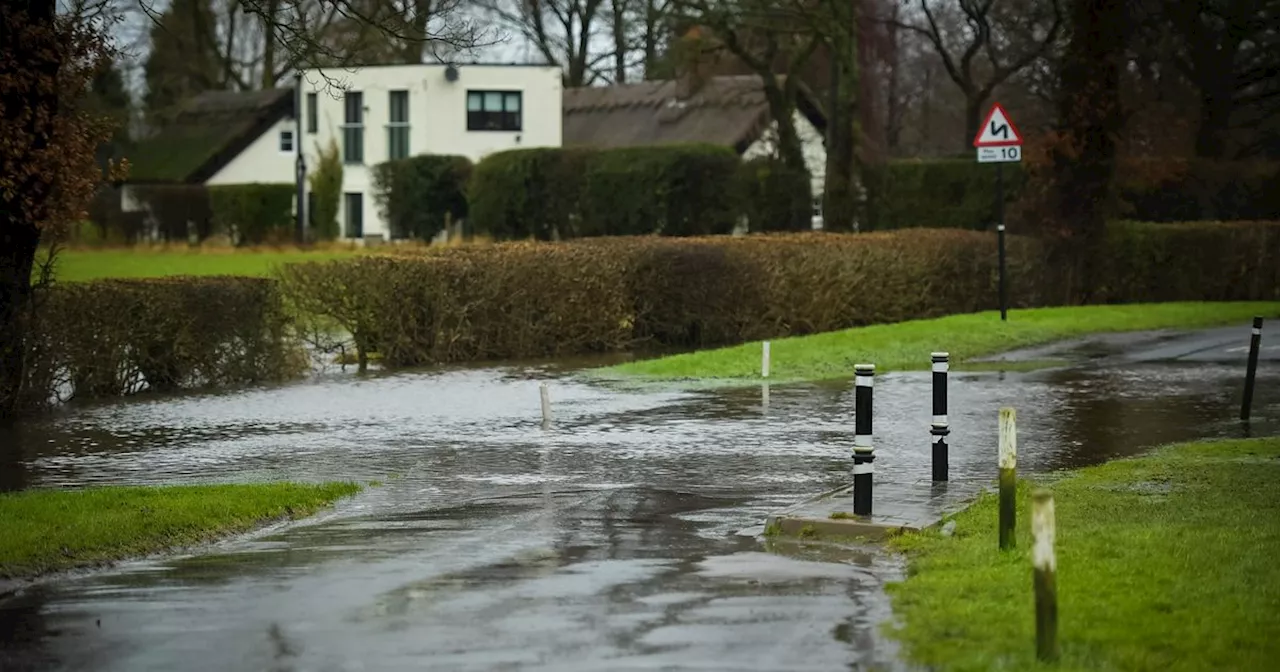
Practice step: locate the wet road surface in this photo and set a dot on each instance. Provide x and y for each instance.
(611, 541)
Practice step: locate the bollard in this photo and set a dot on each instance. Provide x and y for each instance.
(1008, 475)
(764, 397)
(1045, 567)
(764, 360)
(1255, 344)
(546, 405)
(863, 453)
(939, 430)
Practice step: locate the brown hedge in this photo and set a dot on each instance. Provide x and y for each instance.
(110, 338)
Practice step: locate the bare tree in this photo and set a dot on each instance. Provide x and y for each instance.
(560, 30)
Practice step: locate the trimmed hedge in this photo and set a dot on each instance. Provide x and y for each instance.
(773, 197)
(941, 193)
(546, 194)
(609, 294)
(110, 338)
(418, 194)
(254, 213)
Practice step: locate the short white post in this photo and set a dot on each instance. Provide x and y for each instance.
(1008, 476)
(546, 405)
(764, 361)
(764, 396)
(1045, 564)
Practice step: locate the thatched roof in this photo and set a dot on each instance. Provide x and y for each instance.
(730, 111)
(208, 132)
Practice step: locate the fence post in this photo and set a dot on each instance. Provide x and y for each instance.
(1008, 476)
(1255, 344)
(939, 428)
(1045, 567)
(546, 405)
(764, 360)
(863, 453)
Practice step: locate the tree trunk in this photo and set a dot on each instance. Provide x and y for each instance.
(782, 107)
(619, 41)
(972, 120)
(269, 29)
(28, 62)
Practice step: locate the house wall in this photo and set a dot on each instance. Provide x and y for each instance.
(261, 161)
(437, 117)
(812, 145)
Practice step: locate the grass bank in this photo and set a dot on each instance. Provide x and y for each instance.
(1165, 562)
(44, 531)
(906, 345)
(78, 265)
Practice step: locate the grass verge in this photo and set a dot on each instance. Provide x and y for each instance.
(906, 345)
(81, 265)
(44, 531)
(1165, 562)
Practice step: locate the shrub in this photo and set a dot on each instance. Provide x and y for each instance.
(254, 213)
(110, 338)
(774, 197)
(180, 211)
(417, 195)
(941, 193)
(1165, 190)
(326, 192)
(526, 193)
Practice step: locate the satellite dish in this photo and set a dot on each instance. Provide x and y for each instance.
(451, 73)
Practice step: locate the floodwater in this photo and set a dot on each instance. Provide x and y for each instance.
(613, 540)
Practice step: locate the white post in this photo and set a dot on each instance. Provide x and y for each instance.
(1008, 475)
(546, 405)
(764, 361)
(1045, 566)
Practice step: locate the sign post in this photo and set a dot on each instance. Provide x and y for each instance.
(998, 141)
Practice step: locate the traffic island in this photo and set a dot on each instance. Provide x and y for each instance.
(901, 506)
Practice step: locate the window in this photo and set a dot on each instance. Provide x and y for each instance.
(353, 128)
(312, 113)
(398, 126)
(286, 142)
(353, 214)
(493, 110)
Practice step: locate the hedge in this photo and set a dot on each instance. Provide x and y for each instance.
(419, 194)
(520, 300)
(254, 213)
(545, 194)
(774, 197)
(941, 193)
(110, 338)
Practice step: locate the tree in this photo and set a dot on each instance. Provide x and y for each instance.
(986, 44)
(47, 164)
(560, 30)
(326, 189)
(184, 59)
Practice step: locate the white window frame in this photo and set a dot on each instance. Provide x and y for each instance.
(396, 125)
(280, 141)
(352, 126)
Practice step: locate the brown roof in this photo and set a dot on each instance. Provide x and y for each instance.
(729, 110)
(209, 130)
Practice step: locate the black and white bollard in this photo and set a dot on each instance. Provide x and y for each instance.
(1045, 567)
(1255, 344)
(941, 364)
(1008, 476)
(863, 453)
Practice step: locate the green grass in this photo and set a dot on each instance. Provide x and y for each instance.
(80, 265)
(1165, 562)
(44, 531)
(906, 345)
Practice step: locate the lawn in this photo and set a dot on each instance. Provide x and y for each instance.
(1165, 562)
(78, 265)
(907, 345)
(44, 531)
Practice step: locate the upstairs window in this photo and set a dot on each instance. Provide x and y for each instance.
(313, 111)
(353, 127)
(398, 125)
(286, 142)
(494, 111)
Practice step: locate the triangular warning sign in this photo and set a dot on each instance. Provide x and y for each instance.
(998, 130)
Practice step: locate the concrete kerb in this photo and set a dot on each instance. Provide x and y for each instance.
(900, 507)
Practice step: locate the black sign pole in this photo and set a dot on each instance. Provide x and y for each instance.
(1004, 295)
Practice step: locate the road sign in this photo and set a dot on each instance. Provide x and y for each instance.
(998, 140)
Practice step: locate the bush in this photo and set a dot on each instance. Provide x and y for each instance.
(1164, 190)
(942, 193)
(545, 194)
(773, 197)
(518, 300)
(181, 212)
(419, 194)
(110, 338)
(254, 213)
(326, 193)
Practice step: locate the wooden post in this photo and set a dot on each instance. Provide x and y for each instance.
(764, 361)
(1045, 564)
(546, 405)
(1008, 476)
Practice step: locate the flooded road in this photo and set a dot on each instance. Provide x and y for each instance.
(610, 541)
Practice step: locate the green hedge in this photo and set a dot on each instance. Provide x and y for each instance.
(942, 193)
(254, 213)
(418, 194)
(605, 294)
(773, 197)
(676, 190)
(109, 338)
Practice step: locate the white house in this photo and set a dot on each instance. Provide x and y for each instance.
(374, 114)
